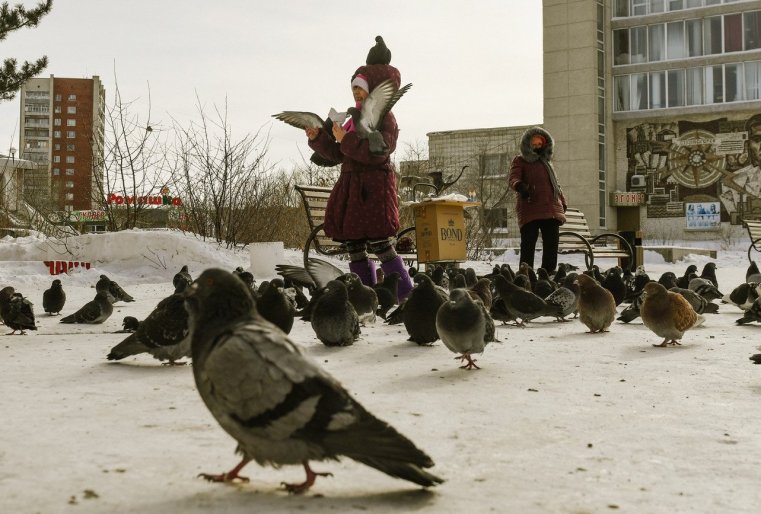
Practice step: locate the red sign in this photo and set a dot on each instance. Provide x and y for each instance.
(626, 199)
(144, 200)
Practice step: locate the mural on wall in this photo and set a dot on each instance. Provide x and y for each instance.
(685, 162)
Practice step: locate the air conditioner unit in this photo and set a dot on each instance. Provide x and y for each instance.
(638, 181)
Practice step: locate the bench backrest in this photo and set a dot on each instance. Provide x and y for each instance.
(576, 222)
(315, 199)
(754, 228)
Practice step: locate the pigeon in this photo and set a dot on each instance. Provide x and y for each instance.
(684, 280)
(275, 307)
(464, 326)
(668, 315)
(744, 295)
(315, 276)
(709, 273)
(182, 275)
(114, 289)
(440, 277)
(419, 310)
(756, 358)
(53, 299)
(521, 304)
(165, 333)
(17, 312)
(705, 288)
(613, 282)
(458, 282)
(97, 310)
(543, 286)
(130, 324)
(697, 302)
(387, 292)
(369, 117)
(631, 312)
(246, 276)
(470, 277)
(668, 280)
(565, 299)
(752, 314)
(379, 53)
(363, 298)
(597, 307)
(334, 319)
(481, 290)
(753, 274)
(275, 401)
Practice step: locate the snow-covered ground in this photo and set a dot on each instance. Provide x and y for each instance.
(556, 421)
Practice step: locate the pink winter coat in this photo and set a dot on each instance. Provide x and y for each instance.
(364, 203)
(527, 168)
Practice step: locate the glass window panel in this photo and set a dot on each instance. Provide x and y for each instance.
(675, 5)
(675, 40)
(753, 80)
(657, 90)
(733, 33)
(675, 88)
(693, 3)
(712, 35)
(638, 44)
(712, 2)
(622, 95)
(694, 86)
(638, 98)
(733, 82)
(752, 32)
(622, 8)
(657, 42)
(656, 6)
(639, 7)
(694, 36)
(714, 90)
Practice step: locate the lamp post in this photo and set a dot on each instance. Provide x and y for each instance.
(12, 151)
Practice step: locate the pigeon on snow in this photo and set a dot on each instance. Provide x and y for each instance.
(669, 315)
(277, 403)
(363, 298)
(274, 305)
(17, 312)
(419, 311)
(114, 289)
(97, 310)
(334, 319)
(597, 307)
(464, 326)
(182, 275)
(53, 299)
(752, 314)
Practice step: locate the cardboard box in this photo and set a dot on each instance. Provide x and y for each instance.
(440, 231)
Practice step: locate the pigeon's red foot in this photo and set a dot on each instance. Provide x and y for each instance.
(230, 476)
(306, 484)
(471, 362)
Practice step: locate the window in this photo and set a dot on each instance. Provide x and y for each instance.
(733, 33)
(657, 42)
(70, 171)
(70, 134)
(714, 90)
(675, 5)
(639, 7)
(622, 8)
(57, 98)
(712, 35)
(638, 44)
(71, 123)
(57, 122)
(69, 196)
(733, 83)
(675, 94)
(694, 89)
(657, 90)
(694, 3)
(69, 184)
(69, 159)
(675, 40)
(491, 164)
(622, 94)
(496, 218)
(70, 147)
(752, 35)
(753, 80)
(56, 146)
(68, 208)
(56, 133)
(638, 91)
(57, 109)
(72, 98)
(56, 171)
(656, 6)
(56, 158)
(71, 109)
(621, 46)
(694, 30)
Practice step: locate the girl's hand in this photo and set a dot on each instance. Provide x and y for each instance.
(312, 132)
(338, 132)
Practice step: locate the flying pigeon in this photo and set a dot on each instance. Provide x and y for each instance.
(597, 307)
(464, 326)
(53, 299)
(97, 310)
(334, 319)
(276, 402)
(668, 315)
(164, 334)
(374, 108)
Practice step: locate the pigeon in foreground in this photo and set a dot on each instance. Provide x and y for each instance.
(464, 326)
(17, 312)
(165, 333)
(277, 403)
(334, 319)
(53, 299)
(97, 310)
(669, 315)
(597, 307)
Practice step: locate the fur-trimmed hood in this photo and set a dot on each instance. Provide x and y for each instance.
(527, 153)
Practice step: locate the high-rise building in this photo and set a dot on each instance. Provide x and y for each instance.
(62, 124)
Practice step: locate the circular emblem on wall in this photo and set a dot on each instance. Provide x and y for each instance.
(693, 161)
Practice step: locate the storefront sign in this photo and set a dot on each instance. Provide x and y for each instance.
(626, 199)
(703, 216)
(82, 216)
(144, 200)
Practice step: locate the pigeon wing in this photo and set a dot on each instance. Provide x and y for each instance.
(379, 102)
(322, 271)
(300, 119)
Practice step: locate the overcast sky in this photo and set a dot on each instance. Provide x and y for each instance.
(472, 64)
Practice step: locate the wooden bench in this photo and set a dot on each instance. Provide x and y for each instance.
(315, 200)
(575, 237)
(754, 231)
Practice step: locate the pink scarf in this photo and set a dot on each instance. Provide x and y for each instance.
(349, 125)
